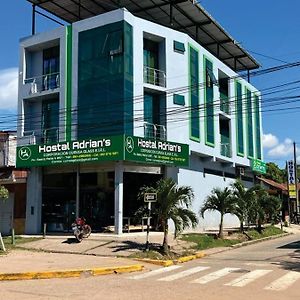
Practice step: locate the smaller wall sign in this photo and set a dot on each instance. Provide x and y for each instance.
(259, 166)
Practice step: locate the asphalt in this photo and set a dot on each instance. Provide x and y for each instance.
(61, 256)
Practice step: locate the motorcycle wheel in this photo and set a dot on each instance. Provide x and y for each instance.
(79, 237)
(86, 231)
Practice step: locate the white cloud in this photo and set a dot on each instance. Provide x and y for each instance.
(269, 140)
(282, 150)
(8, 88)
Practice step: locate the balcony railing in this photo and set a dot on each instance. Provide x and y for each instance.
(43, 83)
(224, 104)
(226, 149)
(32, 137)
(154, 76)
(155, 131)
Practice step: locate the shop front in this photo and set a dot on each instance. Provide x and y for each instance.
(97, 179)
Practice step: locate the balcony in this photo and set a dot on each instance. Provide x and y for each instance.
(43, 83)
(154, 77)
(33, 137)
(155, 131)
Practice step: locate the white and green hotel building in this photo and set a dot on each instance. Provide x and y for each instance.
(119, 99)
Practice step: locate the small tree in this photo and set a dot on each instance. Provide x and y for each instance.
(243, 199)
(173, 202)
(266, 207)
(3, 193)
(221, 201)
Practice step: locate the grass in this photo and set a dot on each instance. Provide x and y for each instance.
(18, 241)
(204, 241)
(266, 232)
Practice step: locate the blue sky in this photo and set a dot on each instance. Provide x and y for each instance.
(264, 28)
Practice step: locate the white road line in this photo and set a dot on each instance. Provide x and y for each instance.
(154, 272)
(284, 282)
(184, 273)
(215, 275)
(247, 278)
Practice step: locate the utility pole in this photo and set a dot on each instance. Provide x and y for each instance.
(296, 178)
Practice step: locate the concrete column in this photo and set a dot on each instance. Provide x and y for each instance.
(34, 202)
(119, 169)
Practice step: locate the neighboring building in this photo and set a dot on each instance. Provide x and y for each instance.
(124, 97)
(12, 210)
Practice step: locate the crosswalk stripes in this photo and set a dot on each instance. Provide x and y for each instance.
(155, 272)
(215, 275)
(184, 273)
(284, 282)
(280, 284)
(248, 278)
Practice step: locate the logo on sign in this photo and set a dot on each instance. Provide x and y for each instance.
(129, 144)
(24, 153)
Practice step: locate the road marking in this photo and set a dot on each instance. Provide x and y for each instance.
(154, 272)
(247, 278)
(184, 273)
(215, 275)
(284, 282)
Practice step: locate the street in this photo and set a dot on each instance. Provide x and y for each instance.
(267, 270)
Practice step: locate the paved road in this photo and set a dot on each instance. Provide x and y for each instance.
(266, 271)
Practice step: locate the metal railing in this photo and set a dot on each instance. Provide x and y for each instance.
(226, 149)
(224, 104)
(154, 76)
(32, 137)
(155, 131)
(43, 83)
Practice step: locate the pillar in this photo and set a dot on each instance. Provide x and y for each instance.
(119, 198)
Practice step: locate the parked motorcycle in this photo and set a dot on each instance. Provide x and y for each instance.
(80, 229)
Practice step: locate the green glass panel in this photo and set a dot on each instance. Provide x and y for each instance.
(249, 124)
(257, 128)
(50, 119)
(194, 93)
(178, 99)
(105, 81)
(209, 103)
(239, 117)
(179, 47)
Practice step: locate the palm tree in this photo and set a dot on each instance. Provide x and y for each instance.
(243, 199)
(220, 200)
(173, 202)
(266, 206)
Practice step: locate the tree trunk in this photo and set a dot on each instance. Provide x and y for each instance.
(242, 226)
(259, 226)
(221, 234)
(165, 241)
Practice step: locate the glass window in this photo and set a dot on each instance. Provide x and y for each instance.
(239, 119)
(178, 99)
(179, 47)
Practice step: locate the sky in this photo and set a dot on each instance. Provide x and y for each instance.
(268, 30)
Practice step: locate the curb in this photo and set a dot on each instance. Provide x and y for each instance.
(70, 273)
(159, 262)
(273, 237)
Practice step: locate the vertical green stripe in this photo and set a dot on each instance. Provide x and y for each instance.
(239, 119)
(209, 104)
(68, 83)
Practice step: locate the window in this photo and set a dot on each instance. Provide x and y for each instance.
(194, 94)
(178, 99)
(239, 119)
(179, 47)
(249, 124)
(210, 80)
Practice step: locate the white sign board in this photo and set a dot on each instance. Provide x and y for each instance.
(150, 197)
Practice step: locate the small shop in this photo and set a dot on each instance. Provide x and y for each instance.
(97, 179)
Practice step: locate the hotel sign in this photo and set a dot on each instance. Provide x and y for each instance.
(104, 149)
(259, 166)
(92, 150)
(156, 151)
(291, 179)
